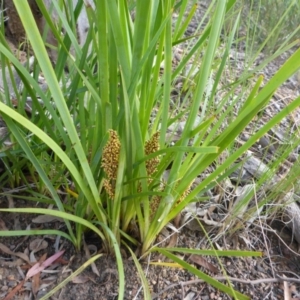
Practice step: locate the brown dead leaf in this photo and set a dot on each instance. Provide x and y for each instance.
(36, 281)
(13, 292)
(35, 246)
(6, 250)
(11, 203)
(2, 225)
(46, 282)
(46, 219)
(38, 244)
(177, 220)
(11, 264)
(80, 279)
(173, 240)
(88, 255)
(200, 261)
(62, 261)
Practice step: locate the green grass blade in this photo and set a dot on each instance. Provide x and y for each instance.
(60, 214)
(223, 253)
(121, 41)
(45, 64)
(147, 294)
(69, 278)
(222, 287)
(117, 252)
(58, 151)
(26, 232)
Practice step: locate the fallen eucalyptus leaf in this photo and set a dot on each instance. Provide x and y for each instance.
(46, 219)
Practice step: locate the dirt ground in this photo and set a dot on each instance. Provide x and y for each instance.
(259, 278)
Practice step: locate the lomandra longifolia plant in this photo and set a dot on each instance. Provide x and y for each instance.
(97, 141)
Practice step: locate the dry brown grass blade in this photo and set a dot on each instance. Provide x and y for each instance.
(200, 261)
(36, 280)
(2, 225)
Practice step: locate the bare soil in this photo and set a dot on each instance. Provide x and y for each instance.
(259, 278)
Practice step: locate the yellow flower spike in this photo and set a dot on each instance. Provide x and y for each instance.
(152, 146)
(185, 193)
(110, 156)
(109, 189)
(154, 203)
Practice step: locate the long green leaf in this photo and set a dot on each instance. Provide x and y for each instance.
(206, 278)
(228, 253)
(60, 214)
(45, 64)
(72, 276)
(55, 148)
(26, 232)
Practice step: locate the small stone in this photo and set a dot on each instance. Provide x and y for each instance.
(4, 288)
(12, 283)
(175, 278)
(11, 278)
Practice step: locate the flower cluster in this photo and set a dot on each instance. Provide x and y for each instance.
(152, 146)
(155, 201)
(185, 193)
(110, 161)
(154, 204)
